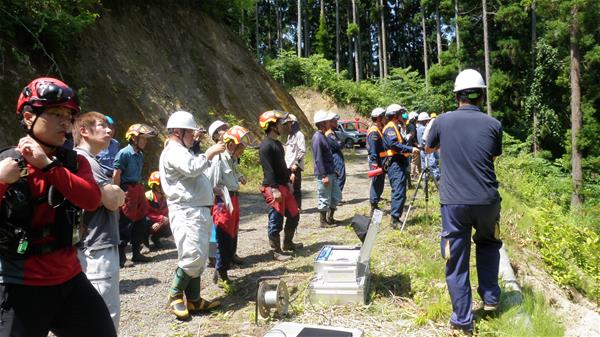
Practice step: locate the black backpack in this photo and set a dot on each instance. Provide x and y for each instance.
(17, 209)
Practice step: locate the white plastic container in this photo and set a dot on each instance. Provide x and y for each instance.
(342, 272)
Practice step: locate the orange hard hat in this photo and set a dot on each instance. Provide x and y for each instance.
(271, 116)
(154, 179)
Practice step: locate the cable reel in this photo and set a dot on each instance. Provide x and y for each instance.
(271, 296)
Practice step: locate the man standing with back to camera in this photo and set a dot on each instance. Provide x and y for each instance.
(469, 197)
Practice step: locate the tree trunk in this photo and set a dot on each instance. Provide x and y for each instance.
(576, 120)
(457, 32)
(299, 29)
(307, 50)
(350, 45)
(379, 45)
(425, 60)
(438, 31)
(486, 51)
(356, 44)
(383, 38)
(536, 145)
(269, 37)
(322, 7)
(337, 37)
(257, 36)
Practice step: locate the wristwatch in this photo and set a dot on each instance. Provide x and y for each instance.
(54, 163)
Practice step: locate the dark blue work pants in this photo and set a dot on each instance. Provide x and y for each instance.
(397, 176)
(457, 222)
(377, 184)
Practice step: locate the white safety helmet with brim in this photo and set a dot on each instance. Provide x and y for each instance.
(377, 112)
(216, 125)
(423, 116)
(321, 116)
(394, 109)
(182, 120)
(412, 115)
(468, 79)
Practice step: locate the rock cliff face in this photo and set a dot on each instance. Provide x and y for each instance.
(141, 62)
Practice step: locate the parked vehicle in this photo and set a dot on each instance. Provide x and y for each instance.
(350, 135)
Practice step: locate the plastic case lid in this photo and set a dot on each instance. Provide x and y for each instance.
(367, 246)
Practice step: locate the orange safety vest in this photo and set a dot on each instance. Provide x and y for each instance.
(391, 152)
(372, 129)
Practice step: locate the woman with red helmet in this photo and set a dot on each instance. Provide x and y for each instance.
(41, 281)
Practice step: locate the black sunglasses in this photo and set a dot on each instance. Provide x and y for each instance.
(51, 93)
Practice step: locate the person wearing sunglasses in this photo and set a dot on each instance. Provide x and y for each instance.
(129, 163)
(43, 188)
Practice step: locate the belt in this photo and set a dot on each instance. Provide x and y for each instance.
(391, 153)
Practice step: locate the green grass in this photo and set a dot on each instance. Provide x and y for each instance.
(408, 266)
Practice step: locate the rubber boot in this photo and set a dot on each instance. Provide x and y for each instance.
(278, 254)
(176, 303)
(330, 218)
(373, 208)
(288, 237)
(395, 223)
(137, 256)
(323, 223)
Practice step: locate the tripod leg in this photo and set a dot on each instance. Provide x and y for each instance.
(412, 201)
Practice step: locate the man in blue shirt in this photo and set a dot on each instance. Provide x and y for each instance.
(376, 156)
(398, 152)
(129, 162)
(469, 197)
(106, 157)
(428, 160)
(328, 189)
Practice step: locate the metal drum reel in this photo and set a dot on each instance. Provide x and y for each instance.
(271, 296)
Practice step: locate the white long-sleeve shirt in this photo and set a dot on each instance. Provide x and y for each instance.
(295, 148)
(183, 176)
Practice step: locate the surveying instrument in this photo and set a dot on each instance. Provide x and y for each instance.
(425, 176)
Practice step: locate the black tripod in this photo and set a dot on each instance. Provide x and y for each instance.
(424, 177)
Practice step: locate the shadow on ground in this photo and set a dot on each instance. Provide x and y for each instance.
(129, 286)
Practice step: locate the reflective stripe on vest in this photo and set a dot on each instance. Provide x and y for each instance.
(391, 153)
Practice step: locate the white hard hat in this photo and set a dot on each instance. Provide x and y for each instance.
(181, 120)
(292, 118)
(468, 79)
(423, 116)
(393, 109)
(334, 115)
(377, 112)
(215, 126)
(322, 116)
(412, 115)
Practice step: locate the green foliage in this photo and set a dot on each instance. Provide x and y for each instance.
(353, 30)
(323, 39)
(49, 21)
(403, 85)
(568, 242)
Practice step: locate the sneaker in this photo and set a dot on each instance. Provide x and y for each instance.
(127, 264)
(201, 305)
(145, 249)
(178, 307)
(487, 307)
(456, 330)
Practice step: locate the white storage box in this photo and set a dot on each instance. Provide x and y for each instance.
(288, 329)
(333, 293)
(342, 272)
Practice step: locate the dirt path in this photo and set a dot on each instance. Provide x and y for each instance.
(144, 287)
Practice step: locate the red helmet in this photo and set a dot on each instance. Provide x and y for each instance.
(154, 179)
(47, 92)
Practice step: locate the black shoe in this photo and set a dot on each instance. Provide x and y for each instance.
(156, 242)
(138, 257)
(237, 260)
(457, 330)
(396, 223)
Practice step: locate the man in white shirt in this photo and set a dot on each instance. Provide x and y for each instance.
(190, 197)
(295, 148)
